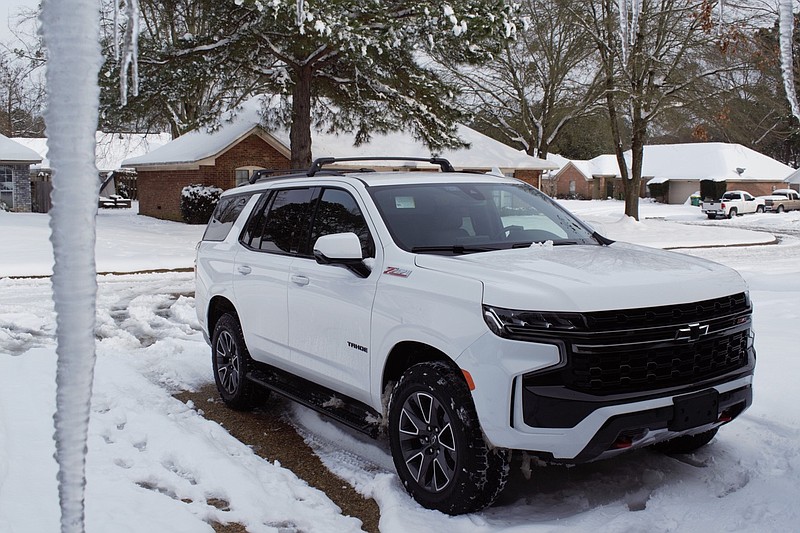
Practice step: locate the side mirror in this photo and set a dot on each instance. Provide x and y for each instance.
(341, 249)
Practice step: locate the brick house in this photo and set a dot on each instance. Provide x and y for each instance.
(15, 182)
(681, 166)
(227, 157)
(596, 178)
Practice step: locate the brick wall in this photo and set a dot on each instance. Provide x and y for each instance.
(757, 188)
(583, 188)
(528, 176)
(22, 187)
(160, 190)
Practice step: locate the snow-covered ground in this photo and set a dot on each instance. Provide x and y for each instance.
(155, 464)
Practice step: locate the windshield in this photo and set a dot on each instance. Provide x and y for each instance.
(474, 217)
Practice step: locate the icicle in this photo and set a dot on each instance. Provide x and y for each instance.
(622, 7)
(130, 51)
(116, 30)
(70, 31)
(301, 13)
(787, 56)
(720, 20)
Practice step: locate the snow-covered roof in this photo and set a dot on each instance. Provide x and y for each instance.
(559, 160)
(111, 150)
(709, 161)
(202, 144)
(14, 152)
(794, 177)
(602, 165)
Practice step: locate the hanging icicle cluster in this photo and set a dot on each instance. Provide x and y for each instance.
(629, 11)
(787, 56)
(127, 55)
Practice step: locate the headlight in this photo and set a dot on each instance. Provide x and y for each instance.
(515, 324)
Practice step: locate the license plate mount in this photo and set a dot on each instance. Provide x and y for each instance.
(694, 410)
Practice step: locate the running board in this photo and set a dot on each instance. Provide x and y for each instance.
(343, 409)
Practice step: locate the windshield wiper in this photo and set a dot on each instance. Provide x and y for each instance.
(455, 249)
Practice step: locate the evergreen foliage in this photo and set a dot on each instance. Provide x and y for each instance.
(198, 202)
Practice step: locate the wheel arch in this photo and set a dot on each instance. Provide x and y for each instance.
(406, 354)
(218, 306)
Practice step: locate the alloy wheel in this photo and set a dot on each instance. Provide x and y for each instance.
(427, 441)
(227, 357)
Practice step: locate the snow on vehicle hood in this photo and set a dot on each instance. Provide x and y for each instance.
(589, 277)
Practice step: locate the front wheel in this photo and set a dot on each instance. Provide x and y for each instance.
(760, 209)
(780, 209)
(231, 363)
(437, 444)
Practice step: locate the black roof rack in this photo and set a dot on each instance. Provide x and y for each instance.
(278, 173)
(317, 165)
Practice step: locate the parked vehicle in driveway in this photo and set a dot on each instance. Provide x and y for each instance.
(781, 200)
(467, 316)
(731, 204)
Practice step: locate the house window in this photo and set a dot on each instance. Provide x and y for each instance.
(7, 186)
(243, 174)
(572, 187)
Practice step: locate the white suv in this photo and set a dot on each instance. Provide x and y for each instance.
(467, 315)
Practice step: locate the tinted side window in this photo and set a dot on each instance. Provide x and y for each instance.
(282, 223)
(338, 212)
(225, 214)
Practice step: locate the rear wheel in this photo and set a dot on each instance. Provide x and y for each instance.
(437, 444)
(686, 443)
(733, 212)
(231, 363)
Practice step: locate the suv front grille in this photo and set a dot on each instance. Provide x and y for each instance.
(654, 348)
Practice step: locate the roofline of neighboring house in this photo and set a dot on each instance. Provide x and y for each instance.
(19, 161)
(211, 159)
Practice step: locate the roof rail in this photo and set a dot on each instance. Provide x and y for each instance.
(276, 173)
(318, 163)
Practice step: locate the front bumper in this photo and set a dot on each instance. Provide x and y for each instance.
(560, 425)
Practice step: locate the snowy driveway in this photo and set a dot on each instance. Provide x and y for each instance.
(155, 464)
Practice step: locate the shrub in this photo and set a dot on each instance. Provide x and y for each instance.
(198, 203)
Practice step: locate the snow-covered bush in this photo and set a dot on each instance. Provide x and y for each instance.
(198, 203)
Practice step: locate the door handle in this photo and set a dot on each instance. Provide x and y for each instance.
(300, 280)
(244, 269)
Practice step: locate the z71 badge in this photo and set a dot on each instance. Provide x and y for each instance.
(400, 272)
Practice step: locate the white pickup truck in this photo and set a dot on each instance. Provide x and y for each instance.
(731, 204)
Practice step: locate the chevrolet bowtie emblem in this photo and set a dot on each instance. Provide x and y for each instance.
(692, 332)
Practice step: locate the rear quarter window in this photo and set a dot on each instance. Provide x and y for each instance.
(225, 214)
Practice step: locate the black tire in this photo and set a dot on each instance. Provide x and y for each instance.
(780, 209)
(733, 212)
(437, 443)
(686, 443)
(231, 363)
(760, 209)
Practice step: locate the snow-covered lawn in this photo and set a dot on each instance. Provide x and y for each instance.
(154, 463)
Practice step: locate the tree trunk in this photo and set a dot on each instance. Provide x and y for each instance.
(633, 185)
(300, 133)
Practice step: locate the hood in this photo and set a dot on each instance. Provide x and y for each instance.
(589, 277)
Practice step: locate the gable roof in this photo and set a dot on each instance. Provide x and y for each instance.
(14, 152)
(602, 165)
(202, 145)
(110, 151)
